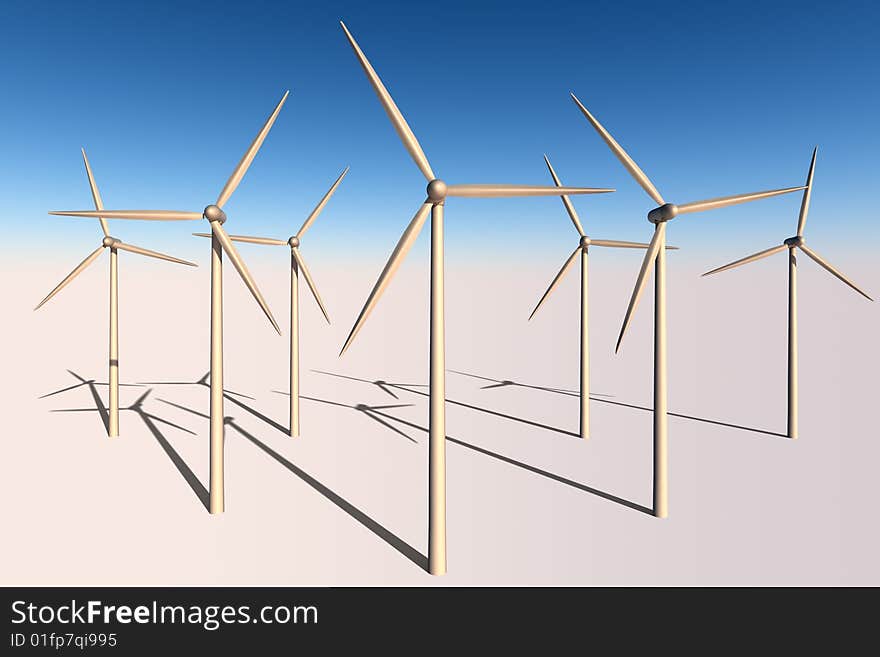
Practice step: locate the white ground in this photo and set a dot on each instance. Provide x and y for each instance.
(346, 503)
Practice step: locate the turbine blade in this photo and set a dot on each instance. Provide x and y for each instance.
(503, 191)
(314, 215)
(626, 245)
(830, 269)
(805, 201)
(242, 270)
(403, 246)
(249, 155)
(644, 272)
(628, 163)
(96, 195)
(301, 263)
(724, 201)
(151, 254)
(76, 272)
(744, 261)
(556, 280)
(400, 125)
(572, 213)
(250, 240)
(150, 215)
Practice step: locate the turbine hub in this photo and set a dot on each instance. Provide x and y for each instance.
(437, 191)
(293, 241)
(214, 213)
(585, 242)
(663, 213)
(109, 241)
(792, 242)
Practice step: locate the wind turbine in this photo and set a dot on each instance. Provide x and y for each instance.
(656, 255)
(297, 263)
(792, 244)
(114, 245)
(583, 248)
(201, 381)
(437, 193)
(220, 243)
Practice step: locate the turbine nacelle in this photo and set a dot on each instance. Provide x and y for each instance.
(110, 242)
(214, 213)
(437, 190)
(796, 241)
(663, 213)
(585, 242)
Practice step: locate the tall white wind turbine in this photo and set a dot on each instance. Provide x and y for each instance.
(114, 245)
(582, 248)
(438, 191)
(297, 264)
(656, 255)
(220, 244)
(793, 244)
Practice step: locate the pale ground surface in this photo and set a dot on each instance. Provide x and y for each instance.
(347, 502)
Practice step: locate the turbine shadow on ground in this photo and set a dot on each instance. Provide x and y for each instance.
(696, 419)
(507, 383)
(369, 411)
(257, 414)
(380, 412)
(92, 385)
(596, 397)
(406, 388)
(384, 386)
(185, 471)
(150, 421)
(83, 382)
(229, 395)
(379, 530)
(203, 381)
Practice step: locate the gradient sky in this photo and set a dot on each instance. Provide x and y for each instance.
(710, 99)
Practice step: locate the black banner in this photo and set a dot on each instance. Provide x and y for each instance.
(122, 621)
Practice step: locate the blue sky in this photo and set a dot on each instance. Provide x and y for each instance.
(709, 99)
